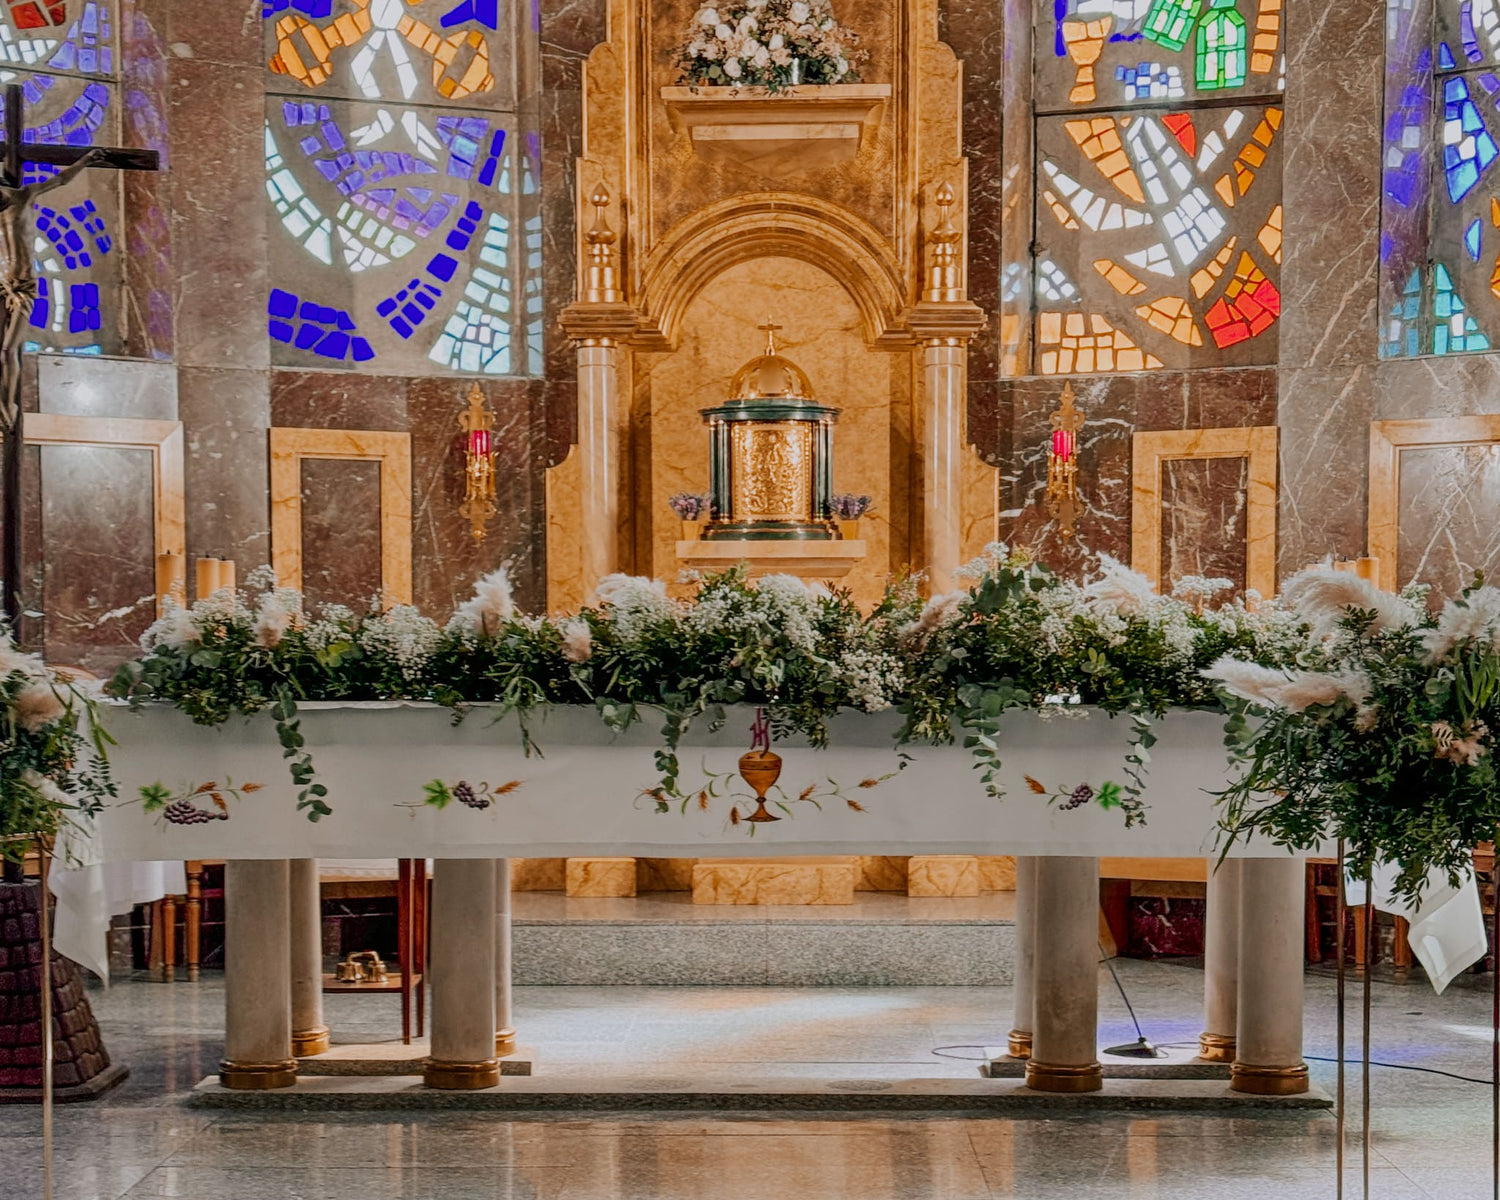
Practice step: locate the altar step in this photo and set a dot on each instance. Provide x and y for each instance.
(881, 939)
(627, 1093)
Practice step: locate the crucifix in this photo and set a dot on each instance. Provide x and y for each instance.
(18, 291)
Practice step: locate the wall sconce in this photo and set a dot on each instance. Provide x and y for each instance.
(1062, 464)
(478, 424)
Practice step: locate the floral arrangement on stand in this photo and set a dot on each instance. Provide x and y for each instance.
(846, 506)
(1019, 637)
(690, 506)
(1383, 734)
(53, 763)
(775, 44)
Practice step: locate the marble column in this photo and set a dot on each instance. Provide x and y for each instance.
(505, 1030)
(1021, 1023)
(257, 976)
(1268, 1031)
(1221, 962)
(944, 404)
(309, 1033)
(1065, 978)
(461, 968)
(601, 457)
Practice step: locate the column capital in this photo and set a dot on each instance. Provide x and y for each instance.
(953, 321)
(595, 323)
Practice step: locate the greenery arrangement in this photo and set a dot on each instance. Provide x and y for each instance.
(1384, 733)
(774, 44)
(53, 764)
(1018, 637)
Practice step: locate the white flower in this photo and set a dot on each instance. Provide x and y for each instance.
(1121, 588)
(840, 66)
(1472, 618)
(635, 603)
(708, 16)
(762, 57)
(492, 604)
(937, 612)
(1292, 690)
(173, 630)
(404, 634)
(799, 12)
(776, 42)
(732, 67)
(277, 612)
(37, 705)
(13, 660)
(1200, 587)
(49, 790)
(1323, 597)
(871, 679)
(746, 27)
(723, 32)
(577, 640)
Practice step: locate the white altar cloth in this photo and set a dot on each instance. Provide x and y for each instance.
(582, 794)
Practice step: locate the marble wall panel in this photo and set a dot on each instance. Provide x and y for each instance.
(1203, 517)
(340, 532)
(823, 335)
(225, 416)
(1449, 498)
(1456, 386)
(1114, 407)
(97, 540)
(85, 386)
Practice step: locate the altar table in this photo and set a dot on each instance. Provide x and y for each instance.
(584, 789)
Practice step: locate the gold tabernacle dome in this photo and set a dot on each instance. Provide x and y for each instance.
(770, 375)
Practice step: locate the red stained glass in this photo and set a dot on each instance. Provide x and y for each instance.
(28, 15)
(1249, 307)
(1180, 125)
(58, 12)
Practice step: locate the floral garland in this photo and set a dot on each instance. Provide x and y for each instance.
(1383, 735)
(1019, 637)
(774, 44)
(53, 762)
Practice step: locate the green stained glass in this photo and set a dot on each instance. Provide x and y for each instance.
(1223, 47)
(1170, 23)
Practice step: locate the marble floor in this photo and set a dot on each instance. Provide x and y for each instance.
(1431, 1132)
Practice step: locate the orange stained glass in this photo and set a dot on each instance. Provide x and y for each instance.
(1267, 37)
(1495, 220)
(1099, 139)
(1249, 306)
(1172, 316)
(1251, 157)
(1059, 210)
(1085, 42)
(1180, 125)
(1119, 278)
(1269, 236)
(1206, 276)
(1083, 343)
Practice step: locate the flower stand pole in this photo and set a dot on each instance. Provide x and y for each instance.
(1268, 1036)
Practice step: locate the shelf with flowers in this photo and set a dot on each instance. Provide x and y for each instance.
(773, 87)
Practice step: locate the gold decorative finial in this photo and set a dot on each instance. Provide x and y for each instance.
(770, 329)
(602, 286)
(478, 424)
(1062, 463)
(944, 279)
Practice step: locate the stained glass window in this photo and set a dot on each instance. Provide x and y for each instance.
(63, 54)
(1158, 215)
(1440, 216)
(403, 186)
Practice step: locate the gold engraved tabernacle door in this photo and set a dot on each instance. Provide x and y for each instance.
(773, 465)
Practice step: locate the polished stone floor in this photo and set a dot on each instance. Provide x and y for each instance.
(1431, 1133)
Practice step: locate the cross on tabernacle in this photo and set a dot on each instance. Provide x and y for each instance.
(770, 329)
(18, 291)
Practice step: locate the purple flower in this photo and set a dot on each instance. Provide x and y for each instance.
(689, 506)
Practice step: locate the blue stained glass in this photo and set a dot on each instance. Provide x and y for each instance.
(1454, 332)
(325, 331)
(1472, 239)
(486, 12)
(1468, 148)
(1445, 57)
(1059, 14)
(316, 9)
(1467, 37)
(83, 312)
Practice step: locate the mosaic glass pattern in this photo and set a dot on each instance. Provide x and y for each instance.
(405, 200)
(1440, 220)
(1114, 52)
(63, 54)
(1162, 233)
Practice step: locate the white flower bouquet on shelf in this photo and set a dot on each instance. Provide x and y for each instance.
(775, 44)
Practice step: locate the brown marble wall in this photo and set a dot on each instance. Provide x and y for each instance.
(1449, 497)
(1203, 517)
(340, 532)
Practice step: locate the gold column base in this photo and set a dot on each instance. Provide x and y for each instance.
(505, 1042)
(1268, 1081)
(307, 1042)
(1216, 1047)
(460, 1076)
(1043, 1078)
(1018, 1044)
(258, 1077)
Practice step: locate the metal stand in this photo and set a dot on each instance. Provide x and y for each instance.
(1341, 909)
(44, 977)
(1369, 919)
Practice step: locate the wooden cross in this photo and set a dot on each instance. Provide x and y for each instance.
(18, 289)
